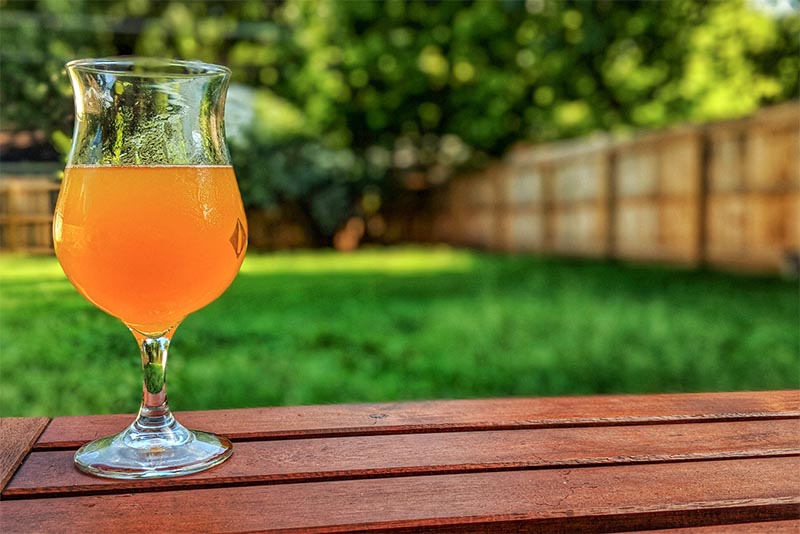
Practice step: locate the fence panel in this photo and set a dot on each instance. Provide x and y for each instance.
(555, 198)
(658, 183)
(26, 213)
(727, 194)
(580, 200)
(754, 185)
(521, 199)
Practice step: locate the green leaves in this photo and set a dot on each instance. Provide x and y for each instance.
(401, 77)
(154, 377)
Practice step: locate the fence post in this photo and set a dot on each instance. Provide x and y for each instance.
(611, 200)
(702, 197)
(548, 210)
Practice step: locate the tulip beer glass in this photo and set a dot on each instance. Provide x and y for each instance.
(149, 227)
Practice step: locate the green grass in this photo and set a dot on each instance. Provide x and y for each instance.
(408, 323)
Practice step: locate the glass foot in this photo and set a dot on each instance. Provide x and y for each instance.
(133, 454)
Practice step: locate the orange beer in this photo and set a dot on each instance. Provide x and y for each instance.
(150, 244)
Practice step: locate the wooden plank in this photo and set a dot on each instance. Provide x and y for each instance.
(580, 229)
(523, 186)
(680, 229)
(270, 462)
(448, 415)
(680, 166)
(752, 229)
(637, 229)
(726, 165)
(665, 228)
(580, 180)
(637, 171)
(587, 499)
(525, 229)
(772, 157)
(17, 436)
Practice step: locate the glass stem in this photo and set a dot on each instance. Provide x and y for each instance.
(154, 413)
(155, 445)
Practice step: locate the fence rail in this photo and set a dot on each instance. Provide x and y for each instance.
(724, 194)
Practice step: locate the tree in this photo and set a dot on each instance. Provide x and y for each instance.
(384, 88)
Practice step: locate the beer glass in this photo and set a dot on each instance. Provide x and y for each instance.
(149, 227)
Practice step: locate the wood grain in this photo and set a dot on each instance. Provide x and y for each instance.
(17, 436)
(302, 460)
(443, 416)
(561, 500)
(772, 527)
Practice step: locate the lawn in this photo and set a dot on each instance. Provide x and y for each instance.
(404, 323)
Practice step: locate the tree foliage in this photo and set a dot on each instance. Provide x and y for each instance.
(380, 88)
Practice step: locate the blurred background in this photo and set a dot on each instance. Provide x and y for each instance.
(445, 199)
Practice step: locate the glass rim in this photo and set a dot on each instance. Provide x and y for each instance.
(148, 67)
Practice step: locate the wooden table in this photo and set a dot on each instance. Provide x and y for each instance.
(696, 463)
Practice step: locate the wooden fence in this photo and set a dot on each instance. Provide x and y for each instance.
(724, 194)
(26, 213)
